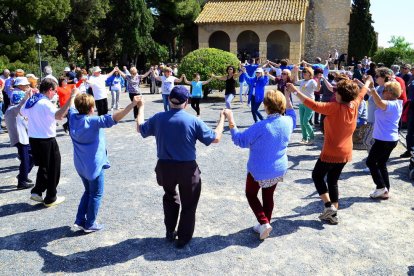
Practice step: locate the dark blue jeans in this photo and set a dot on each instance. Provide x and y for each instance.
(26, 162)
(90, 201)
(255, 109)
(166, 102)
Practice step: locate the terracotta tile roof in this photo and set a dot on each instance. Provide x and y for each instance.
(252, 11)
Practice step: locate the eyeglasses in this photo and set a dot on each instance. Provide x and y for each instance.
(378, 76)
(284, 73)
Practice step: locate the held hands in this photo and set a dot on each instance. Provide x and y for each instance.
(138, 101)
(368, 80)
(74, 92)
(290, 87)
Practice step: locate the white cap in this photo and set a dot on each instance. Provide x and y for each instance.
(67, 69)
(31, 76)
(96, 69)
(259, 70)
(21, 81)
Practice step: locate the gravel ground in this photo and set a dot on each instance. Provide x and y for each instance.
(372, 238)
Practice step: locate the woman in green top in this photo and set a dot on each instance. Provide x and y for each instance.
(196, 91)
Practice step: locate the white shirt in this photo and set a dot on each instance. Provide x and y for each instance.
(167, 84)
(42, 122)
(308, 87)
(50, 76)
(98, 87)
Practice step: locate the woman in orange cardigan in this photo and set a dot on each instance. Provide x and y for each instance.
(339, 124)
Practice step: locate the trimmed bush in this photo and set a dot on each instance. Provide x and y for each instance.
(390, 56)
(208, 61)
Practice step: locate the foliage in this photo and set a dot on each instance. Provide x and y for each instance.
(208, 61)
(399, 43)
(362, 37)
(175, 22)
(390, 56)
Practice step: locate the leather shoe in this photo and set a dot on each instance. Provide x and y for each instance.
(24, 185)
(170, 236)
(181, 243)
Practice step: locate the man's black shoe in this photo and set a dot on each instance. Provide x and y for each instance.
(24, 185)
(170, 236)
(27, 180)
(180, 243)
(405, 154)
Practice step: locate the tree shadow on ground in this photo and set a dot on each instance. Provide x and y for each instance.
(152, 249)
(9, 169)
(8, 189)
(410, 271)
(17, 208)
(296, 159)
(8, 156)
(316, 207)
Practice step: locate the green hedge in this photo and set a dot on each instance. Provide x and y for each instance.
(390, 56)
(208, 61)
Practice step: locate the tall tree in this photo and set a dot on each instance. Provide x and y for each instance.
(362, 37)
(175, 23)
(20, 20)
(128, 30)
(399, 43)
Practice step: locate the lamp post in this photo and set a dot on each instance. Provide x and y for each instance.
(38, 40)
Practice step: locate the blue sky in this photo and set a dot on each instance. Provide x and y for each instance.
(393, 18)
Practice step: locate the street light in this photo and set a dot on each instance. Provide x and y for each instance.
(38, 40)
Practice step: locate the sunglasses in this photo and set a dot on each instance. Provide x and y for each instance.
(378, 76)
(284, 73)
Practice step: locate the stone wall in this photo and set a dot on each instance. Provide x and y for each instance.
(326, 28)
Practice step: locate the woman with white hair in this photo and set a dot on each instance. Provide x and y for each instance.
(385, 135)
(257, 86)
(133, 81)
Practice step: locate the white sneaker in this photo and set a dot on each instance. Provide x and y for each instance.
(256, 228)
(379, 193)
(265, 230)
(36, 197)
(59, 199)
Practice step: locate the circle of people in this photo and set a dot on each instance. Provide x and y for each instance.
(339, 99)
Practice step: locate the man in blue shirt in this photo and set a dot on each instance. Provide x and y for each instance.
(176, 133)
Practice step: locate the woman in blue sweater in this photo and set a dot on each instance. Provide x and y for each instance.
(89, 154)
(267, 141)
(256, 92)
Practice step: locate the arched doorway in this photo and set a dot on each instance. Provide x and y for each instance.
(219, 40)
(278, 45)
(248, 45)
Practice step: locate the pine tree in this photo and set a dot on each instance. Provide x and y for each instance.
(362, 36)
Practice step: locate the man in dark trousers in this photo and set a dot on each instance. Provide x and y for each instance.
(176, 133)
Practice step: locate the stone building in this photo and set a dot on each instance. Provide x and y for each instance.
(276, 29)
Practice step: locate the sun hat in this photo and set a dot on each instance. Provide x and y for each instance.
(259, 70)
(21, 81)
(31, 76)
(67, 69)
(96, 69)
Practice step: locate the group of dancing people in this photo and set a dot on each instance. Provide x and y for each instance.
(177, 131)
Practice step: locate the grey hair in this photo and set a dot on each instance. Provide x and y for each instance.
(177, 106)
(48, 70)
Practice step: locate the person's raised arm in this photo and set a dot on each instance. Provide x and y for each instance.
(147, 73)
(293, 89)
(61, 113)
(122, 74)
(112, 72)
(295, 72)
(369, 84)
(222, 78)
(207, 81)
(140, 117)
(180, 79)
(185, 80)
(270, 76)
(158, 78)
(328, 84)
(219, 128)
(117, 116)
